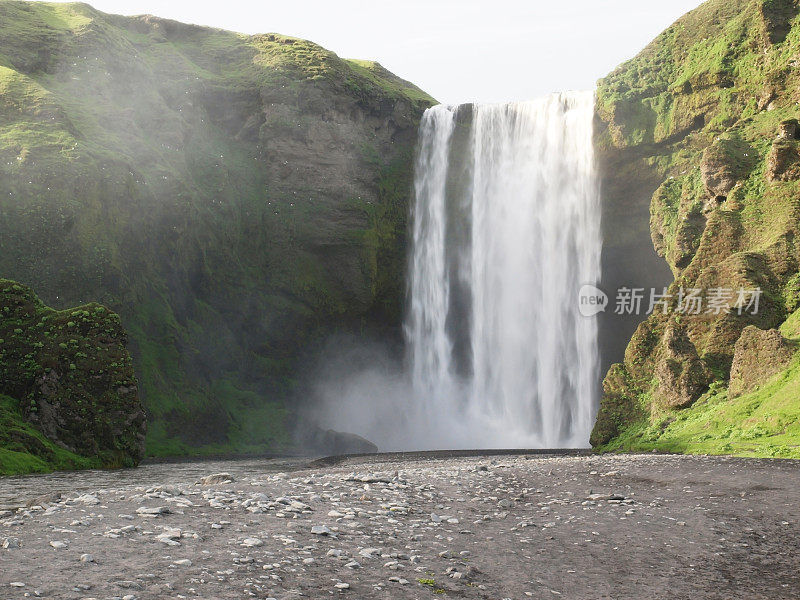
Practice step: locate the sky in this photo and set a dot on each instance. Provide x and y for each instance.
(457, 51)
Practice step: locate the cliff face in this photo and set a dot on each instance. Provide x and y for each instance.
(68, 396)
(705, 119)
(233, 197)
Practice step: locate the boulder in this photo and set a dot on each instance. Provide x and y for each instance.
(329, 442)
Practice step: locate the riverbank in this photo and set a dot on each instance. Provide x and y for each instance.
(614, 526)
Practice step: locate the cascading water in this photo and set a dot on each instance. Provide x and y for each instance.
(506, 229)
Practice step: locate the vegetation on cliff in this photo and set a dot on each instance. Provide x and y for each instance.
(234, 198)
(710, 109)
(68, 395)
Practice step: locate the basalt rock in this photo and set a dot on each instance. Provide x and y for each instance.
(783, 162)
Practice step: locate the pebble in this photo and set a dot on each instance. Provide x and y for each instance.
(409, 522)
(58, 545)
(321, 530)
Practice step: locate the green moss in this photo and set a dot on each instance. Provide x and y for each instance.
(389, 84)
(24, 449)
(74, 364)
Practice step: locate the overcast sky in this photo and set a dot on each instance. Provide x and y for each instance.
(456, 50)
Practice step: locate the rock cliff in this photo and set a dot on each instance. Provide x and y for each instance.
(705, 119)
(234, 198)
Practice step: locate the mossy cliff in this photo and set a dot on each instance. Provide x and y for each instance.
(68, 395)
(705, 120)
(234, 198)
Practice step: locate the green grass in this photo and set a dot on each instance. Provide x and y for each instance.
(762, 423)
(23, 449)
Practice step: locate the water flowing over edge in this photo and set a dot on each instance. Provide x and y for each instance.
(497, 347)
(505, 229)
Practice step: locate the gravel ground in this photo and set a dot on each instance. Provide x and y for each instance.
(463, 527)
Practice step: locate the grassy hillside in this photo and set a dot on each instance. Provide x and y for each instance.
(709, 109)
(235, 198)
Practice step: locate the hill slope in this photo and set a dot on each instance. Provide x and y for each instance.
(233, 197)
(706, 118)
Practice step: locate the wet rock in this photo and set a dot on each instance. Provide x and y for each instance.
(330, 442)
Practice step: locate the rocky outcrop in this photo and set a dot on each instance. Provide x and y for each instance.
(757, 356)
(783, 161)
(234, 198)
(776, 16)
(71, 378)
(725, 164)
(680, 374)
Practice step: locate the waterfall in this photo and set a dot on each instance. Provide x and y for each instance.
(505, 231)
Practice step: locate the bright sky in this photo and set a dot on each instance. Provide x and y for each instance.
(456, 50)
